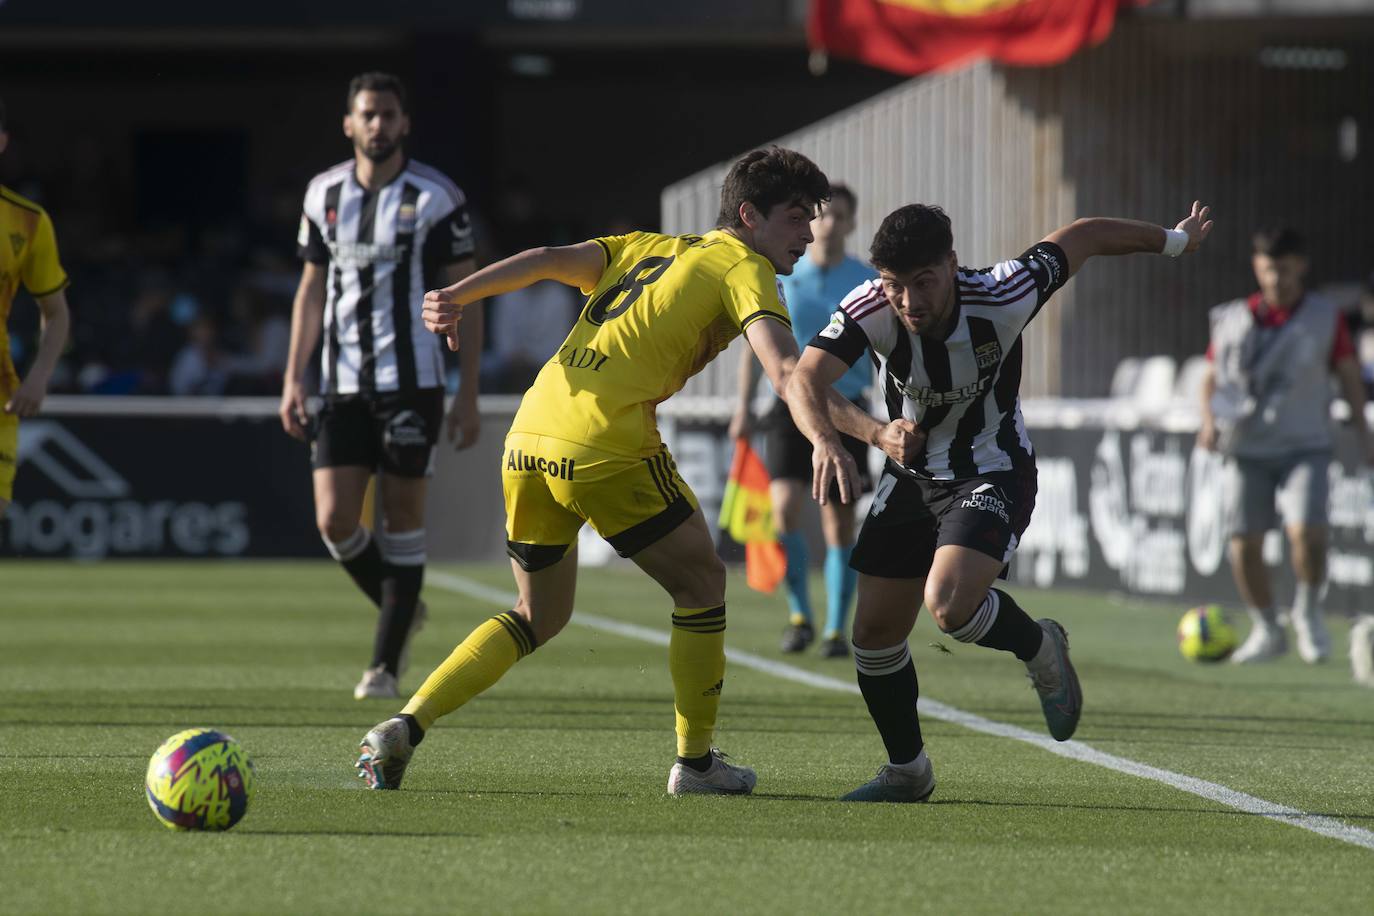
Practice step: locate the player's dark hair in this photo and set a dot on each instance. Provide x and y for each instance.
(768, 177)
(847, 193)
(3, 118)
(376, 81)
(1279, 241)
(911, 237)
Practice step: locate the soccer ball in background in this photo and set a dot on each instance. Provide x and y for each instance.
(199, 779)
(1204, 635)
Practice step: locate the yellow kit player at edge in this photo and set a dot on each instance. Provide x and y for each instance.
(28, 255)
(584, 446)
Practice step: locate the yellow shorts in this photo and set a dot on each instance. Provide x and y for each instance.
(9, 454)
(553, 487)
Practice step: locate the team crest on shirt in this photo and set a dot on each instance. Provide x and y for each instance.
(989, 354)
(331, 216)
(782, 296)
(405, 220)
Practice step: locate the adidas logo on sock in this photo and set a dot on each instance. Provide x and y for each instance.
(714, 691)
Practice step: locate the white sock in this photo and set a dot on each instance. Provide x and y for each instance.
(1307, 600)
(1263, 616)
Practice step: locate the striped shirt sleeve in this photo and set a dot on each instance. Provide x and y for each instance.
(449, 240)
(310, 244)
(862, 322)
(1017, 288)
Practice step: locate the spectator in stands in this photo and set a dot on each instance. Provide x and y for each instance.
(1266, 406)
(264, 340)
(201, 367)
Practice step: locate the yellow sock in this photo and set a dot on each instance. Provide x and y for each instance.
(477, 663)
(696, 658)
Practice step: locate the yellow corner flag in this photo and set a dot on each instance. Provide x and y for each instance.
(746, 514)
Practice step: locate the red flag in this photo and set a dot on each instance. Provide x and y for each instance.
(917, 36)
(765, 565)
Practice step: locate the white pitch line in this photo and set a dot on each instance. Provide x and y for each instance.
(1074, 750)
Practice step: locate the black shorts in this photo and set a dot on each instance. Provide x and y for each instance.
(911, 517)
(392, 431)
(787, 453)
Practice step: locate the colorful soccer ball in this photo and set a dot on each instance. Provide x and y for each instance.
(1204, 635)
(200, 779)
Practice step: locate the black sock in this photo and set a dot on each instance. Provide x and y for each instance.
(999, 623)
(700, 764)
(887, 679)
(417, 734)
(400, 593)
(366, 571)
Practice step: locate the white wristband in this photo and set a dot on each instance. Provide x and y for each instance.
(1175, 242)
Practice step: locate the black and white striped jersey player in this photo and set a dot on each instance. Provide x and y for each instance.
(375, 231)
(959, 484)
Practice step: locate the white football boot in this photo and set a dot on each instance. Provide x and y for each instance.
(720, 778)
(384, 754)
(377, 684)
(1266, 641)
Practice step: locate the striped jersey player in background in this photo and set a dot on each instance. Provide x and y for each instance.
(376, 230)
(28, 256)
(959, 484)
(585, 447)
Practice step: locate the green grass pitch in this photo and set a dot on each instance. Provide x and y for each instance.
(546, 795)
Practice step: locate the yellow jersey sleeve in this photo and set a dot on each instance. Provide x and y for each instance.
(751, 290)
(42, 272)
(611, 247)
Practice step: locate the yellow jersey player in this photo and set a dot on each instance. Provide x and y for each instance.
(28, 255)
(584, 446)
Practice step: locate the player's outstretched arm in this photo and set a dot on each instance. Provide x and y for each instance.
(577, 265)
(1097, 235)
